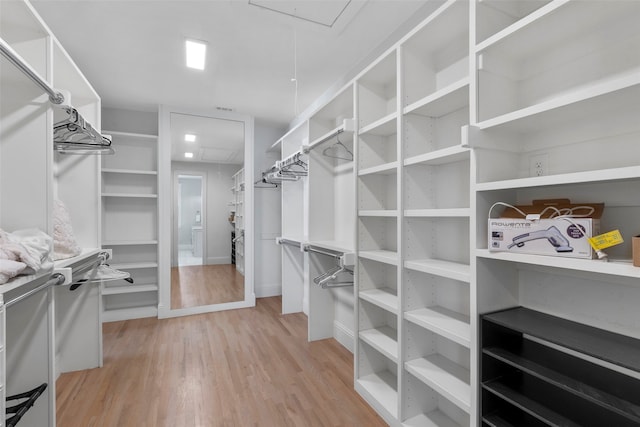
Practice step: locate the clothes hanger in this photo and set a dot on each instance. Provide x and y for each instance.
(338, 151)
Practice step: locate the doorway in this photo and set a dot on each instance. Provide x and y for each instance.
(189, 218)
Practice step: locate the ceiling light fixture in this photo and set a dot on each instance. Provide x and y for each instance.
(188, 155)
(189, 137)
(196, 54)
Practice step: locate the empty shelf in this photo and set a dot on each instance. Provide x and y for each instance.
(381, 387)
(387, 257)
(383, 169)
(444, 376)
(385, 298)
(384, 126)
(444, 101)
(452, 270)
(582, 389)
(384, 339)
(433, 419)
(450, 324)
(528, 405)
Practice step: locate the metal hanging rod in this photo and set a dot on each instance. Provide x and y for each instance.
(7, 51)
(283, 241)
(347, 126)
(55, 280)
(101, 258)
(333, 254)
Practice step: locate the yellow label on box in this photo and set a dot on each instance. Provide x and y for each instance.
(606, 240)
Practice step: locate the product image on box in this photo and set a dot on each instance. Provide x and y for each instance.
(546, 227)
(552, 234)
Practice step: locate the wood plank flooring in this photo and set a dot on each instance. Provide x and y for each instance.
(247, 367)
(196, 285)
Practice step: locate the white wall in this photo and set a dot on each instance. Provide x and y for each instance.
(130, 121)
(267, 211)
(218, 183)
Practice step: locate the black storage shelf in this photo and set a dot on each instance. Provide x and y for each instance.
(532, 351)
(530, 406)
(611, 347)
(511, 418)
(526, 383)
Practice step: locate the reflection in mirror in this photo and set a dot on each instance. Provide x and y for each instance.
(207, 156)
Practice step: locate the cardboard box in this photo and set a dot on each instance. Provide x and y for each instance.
(635, 247)
(565, 237)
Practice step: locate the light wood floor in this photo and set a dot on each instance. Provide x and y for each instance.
(196, 285)
(247, 367)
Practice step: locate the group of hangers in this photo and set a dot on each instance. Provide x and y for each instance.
(293, 167)
(73, 135)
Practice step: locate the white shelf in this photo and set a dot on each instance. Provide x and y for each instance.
(116, 315)
(450, 324)
(384, 169)
(385, 126)
(384, 340)
(134, 265)
(85, 254)
(381, 387)
(387, 257)
(519, 25)
(131, 135)
(456, 153)
(623, 91)
(620, 268)
(446, 100)
(384, 298)
(129, 242)
(345, 130)
(333, 245)
(127, 289)
(452, 270)
(603, 175)
(128, 171)
(547, 25)
(444, 376)
(378, 213)
(131, 195)
(434, 418)
(439, 213)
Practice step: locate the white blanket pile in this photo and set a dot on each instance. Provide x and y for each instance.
(24, 252)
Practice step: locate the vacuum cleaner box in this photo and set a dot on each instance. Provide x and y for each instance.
(565, 237)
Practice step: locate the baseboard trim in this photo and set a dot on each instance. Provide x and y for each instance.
(268, 291)
(344, 335)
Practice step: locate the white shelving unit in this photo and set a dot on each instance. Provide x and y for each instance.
(130, 225)
(378, 356)
(561, 93)
(238, 202)
(414, 219)
(53, 330)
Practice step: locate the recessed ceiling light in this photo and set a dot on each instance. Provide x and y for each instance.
(188, 155)
(189, 137)
(196, 53)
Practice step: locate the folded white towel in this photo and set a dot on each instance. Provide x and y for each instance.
(64, 241)
(10, 269)
(31, 248)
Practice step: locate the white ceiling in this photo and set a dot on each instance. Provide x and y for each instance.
(133, 51)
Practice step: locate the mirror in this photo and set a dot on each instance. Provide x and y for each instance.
(208, 212)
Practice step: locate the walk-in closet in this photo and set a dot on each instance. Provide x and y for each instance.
(346, 213)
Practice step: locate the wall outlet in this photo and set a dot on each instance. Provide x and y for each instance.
(539, 165)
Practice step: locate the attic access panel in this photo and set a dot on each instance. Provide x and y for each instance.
(324, 13)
